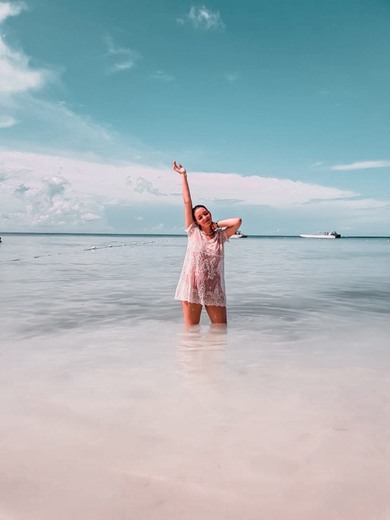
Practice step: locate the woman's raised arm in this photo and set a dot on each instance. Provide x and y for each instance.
(188, 218)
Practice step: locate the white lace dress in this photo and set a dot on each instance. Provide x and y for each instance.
(202, 277)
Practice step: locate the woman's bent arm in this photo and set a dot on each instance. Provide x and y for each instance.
(231, 225)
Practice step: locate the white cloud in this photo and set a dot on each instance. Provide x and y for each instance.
(16, 75)
(124, 65)
(353, 203)
(363, 165)
(10, 9)
(203, 18)
(7, 121)
(270, 191)
(160, 75)
(123, 57)
(47, 202)
(232, 77)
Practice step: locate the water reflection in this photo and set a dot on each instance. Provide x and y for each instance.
(201, 354)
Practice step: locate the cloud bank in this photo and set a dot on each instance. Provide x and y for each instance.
(62, 194)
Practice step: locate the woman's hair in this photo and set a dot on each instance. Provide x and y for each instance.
(195, 208)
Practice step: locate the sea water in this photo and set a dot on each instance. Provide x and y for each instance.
(111, 409)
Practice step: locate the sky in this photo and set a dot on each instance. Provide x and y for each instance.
(279, 110)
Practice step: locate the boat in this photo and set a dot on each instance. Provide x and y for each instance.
(238, 234)
(325, 234)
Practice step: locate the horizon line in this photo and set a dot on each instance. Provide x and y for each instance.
(74, 233)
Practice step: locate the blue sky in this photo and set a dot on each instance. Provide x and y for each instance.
(279, 109)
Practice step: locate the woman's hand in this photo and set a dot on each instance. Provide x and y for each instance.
(179, 168)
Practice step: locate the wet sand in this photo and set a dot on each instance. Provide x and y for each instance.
(161, 423)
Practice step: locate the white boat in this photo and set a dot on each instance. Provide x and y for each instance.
(238, 234)
(326, 234)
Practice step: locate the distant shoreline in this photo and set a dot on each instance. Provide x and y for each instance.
(54, 233)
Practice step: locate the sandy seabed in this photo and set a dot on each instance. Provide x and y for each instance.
(158, 423)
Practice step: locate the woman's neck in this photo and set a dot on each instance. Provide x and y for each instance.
(209, 232)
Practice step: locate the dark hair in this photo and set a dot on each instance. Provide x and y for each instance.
(195, 208)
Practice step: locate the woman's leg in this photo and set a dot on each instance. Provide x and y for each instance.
(217, 315)
(191, 313)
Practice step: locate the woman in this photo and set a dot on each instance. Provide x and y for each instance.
(202, 277)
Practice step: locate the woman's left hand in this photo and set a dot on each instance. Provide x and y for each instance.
(178, 168)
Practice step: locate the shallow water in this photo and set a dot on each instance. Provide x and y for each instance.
(111, 409)
(61, 282)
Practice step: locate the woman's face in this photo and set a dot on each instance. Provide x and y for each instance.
(203, 217)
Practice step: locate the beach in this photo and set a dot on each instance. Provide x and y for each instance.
(111, 409)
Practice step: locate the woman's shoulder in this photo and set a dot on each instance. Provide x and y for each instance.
(192, 228)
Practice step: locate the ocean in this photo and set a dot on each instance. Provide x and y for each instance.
(111, 409)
